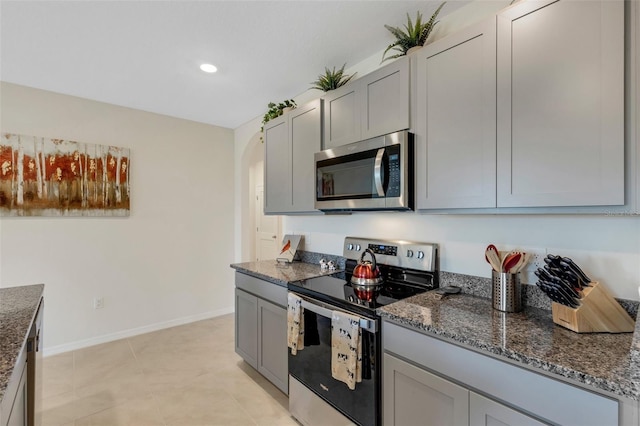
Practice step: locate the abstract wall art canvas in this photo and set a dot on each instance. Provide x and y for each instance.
(41, 176)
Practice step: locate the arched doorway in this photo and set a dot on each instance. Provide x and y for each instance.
(257, 231)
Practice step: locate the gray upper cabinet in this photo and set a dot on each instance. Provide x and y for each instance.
(277, 170)
(560, 104)
(305, 133)
(290, 142)
(456, 120)
(341, 116)
(373, 105)
(385, 96)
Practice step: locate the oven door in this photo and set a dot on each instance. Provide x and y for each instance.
(312, 365)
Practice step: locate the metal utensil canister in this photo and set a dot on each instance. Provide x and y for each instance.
(506, 291)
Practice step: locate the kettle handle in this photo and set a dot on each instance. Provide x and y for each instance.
(373, 258)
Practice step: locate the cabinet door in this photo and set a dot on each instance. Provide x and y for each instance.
(18, 414)
(272, 344)
(413, 396)
(560, 104)
(456, 120)
(247, 327)
(341, 116)
(305, 127)
(277, 167)
(385, 99)
(486, 412)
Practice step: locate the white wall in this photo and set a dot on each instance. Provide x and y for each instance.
(608, 247)
(166, 264)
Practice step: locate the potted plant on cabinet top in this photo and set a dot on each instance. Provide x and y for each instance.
(276, 110)
(412, 35)
(332, 79)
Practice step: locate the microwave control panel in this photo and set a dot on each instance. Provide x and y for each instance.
(395, 181)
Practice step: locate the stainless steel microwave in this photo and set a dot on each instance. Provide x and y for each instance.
(374, 174)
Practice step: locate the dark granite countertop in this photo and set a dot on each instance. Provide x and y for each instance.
(608, 362)
(18, 307)
(279, 273)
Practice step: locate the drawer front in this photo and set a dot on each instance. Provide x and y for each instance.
(274, 293)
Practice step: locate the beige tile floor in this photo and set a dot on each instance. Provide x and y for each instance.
(186, 375)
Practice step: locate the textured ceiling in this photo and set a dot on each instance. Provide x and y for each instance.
(146, 54)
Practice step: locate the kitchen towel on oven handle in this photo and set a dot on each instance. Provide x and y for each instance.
(295, 323)
(346, 348)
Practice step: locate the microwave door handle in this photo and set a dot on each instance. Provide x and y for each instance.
(377, 172)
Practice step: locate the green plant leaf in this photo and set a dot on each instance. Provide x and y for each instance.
(413, 34)
(275, 111)
(426, 31)
(332, 79)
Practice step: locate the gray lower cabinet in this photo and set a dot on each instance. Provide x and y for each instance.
(247, 327)
(18, 409)
(21, 404)
(487, 412)
(290, 142)
(261, 327)
(373, 105)
(414, 396)
(429, 381)
(272, 338)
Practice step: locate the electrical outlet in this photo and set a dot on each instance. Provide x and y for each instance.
(537, 258)
(98, 302)
(536, 261)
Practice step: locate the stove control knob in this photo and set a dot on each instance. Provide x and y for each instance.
(420, 255)
(358, 247)
(350, 247)
(352, 299)
(409, 253)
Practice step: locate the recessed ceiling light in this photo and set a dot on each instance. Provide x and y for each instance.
(208, 68)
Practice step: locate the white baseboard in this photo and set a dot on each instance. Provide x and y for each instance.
(54, 350)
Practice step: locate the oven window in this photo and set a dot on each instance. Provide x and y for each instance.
(312, 367)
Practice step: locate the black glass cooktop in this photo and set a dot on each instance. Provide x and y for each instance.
(337, 289)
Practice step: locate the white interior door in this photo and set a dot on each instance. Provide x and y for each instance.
(267, 230)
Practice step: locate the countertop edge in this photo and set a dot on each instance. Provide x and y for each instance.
(11, 358)
(282, 273)
(253, 273)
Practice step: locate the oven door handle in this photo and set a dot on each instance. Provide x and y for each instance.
(320, 309)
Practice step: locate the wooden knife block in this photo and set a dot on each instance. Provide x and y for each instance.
(599, 313)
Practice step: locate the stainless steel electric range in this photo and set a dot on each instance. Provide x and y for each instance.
(407, 268)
